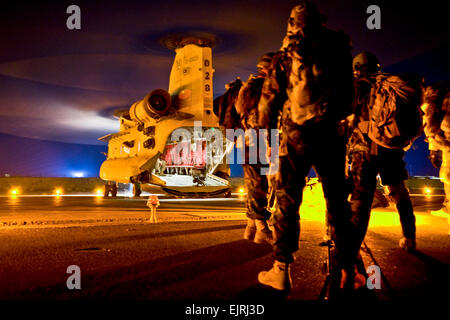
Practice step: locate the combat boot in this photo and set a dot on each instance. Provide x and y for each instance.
(407, 244)
(358, 279)
(250, 230)
(279, 277)
(263, 232)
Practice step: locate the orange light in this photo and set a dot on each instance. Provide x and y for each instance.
(184, 94)
(14, 192)
(427, 190)
(58, 192)
(313, 205)
(99, 192)
(241, 190)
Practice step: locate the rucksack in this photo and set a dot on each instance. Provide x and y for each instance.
(224, 106)
(436, 106)
(248, 99)
(319, 85)
(395, 117)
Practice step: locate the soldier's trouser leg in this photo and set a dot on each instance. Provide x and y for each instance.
(444, 174)
(343, 232)
(257, 192)
(447, 198)
(446, 203)
(364, 182)
(400, 196)
(288, 185)
(151, 215)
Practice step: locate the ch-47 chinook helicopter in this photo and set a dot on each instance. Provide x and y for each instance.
(148, 152)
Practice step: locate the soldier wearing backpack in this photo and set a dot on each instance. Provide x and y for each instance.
(238, 109)
(257, 184)
(436, 122)
(387, 119)
(224, 106)
(310, 81)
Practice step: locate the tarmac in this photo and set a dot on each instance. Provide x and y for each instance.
(197, 243)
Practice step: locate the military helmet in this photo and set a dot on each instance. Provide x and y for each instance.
(303, 15)
(365, 63)
(265, 60)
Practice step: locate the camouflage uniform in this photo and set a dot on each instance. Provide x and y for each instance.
(310, 80)
(257, 184)
(367, 160)
(238, 108)
(436, 122)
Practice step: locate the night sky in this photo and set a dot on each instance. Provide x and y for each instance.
(59, 87)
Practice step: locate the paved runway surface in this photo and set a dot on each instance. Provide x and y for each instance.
(64, 210)
(196, 252)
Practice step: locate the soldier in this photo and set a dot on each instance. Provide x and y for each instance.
(436, 122)
(368, 158)
(310, 79)
(257, 185)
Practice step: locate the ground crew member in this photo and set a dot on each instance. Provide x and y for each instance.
(153, 203)
(310, 79)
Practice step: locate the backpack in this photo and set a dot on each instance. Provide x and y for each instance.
(319, 85)
(247, 101)
(395, 117)
(224, 106)
(436, 106)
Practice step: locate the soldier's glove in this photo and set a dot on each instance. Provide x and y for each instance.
(436, 158)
